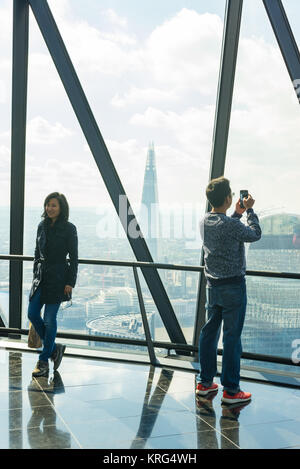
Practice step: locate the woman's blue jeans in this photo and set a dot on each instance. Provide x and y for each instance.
(227, 304)
(47, 327)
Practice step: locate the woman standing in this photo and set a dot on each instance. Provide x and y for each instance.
(54, 276)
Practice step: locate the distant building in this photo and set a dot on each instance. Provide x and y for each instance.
(126, 326)
(273, 308)
(149, 215)
(115, 312)
(112, 301)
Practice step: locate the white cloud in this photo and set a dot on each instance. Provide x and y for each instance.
(115, 19)
(40, 131)
(119, 38)
(77, 180)
(185, 50)
(3, 92)
(4, 161)
(60, 8)
(192, 128)
(261, 74)
(6, 22)
(264, 144)
(94, 50)
(140, 96)
(99, 52)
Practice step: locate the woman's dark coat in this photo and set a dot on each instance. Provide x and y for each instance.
(52, 271)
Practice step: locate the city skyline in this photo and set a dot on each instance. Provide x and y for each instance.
(105, 291)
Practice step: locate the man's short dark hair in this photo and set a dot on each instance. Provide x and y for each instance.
(217, 191)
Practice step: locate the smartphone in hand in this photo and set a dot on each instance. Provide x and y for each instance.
(243, 194)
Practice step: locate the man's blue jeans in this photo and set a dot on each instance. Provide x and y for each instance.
(227, 304)
(47, 327)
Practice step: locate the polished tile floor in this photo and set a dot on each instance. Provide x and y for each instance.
(114, 405)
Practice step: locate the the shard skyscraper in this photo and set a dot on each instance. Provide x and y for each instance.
(150, 209)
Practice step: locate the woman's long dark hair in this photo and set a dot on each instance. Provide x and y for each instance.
(63, 204)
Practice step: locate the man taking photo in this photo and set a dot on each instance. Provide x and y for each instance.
(225, 269)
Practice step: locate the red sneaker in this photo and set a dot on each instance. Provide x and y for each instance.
(203, 390)
(240, 396)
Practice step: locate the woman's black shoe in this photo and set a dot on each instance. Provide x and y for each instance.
(57, 355)
(41, 369)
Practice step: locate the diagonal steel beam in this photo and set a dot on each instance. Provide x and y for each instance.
(18, 139)
(104, 162)
(231, 35)
(285, 39)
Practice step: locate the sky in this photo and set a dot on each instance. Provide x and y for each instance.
(150, 73)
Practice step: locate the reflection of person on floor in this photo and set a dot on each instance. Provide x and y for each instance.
(229, 423)
(152, 406)
(207, 439)
(41, 428)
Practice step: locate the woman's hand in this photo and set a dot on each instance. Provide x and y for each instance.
(68, 290)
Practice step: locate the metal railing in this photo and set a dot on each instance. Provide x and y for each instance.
(180, 349)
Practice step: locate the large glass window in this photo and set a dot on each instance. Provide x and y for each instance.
(263, 154)
(5, 133)
(182, 288)
(150, 74)
(155, 83)
(5, 117)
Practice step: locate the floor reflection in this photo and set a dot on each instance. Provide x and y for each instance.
(111, 405)
(230, 417)
(228, 420)
(15, 398)
(159, 417)
(152, 406)
(41, 427)
(206, 416)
